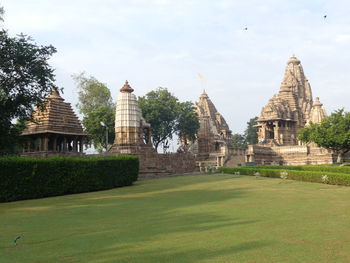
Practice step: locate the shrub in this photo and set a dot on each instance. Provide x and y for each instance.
(309, 176)
(28, 178)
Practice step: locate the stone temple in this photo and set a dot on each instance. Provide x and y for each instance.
(213, 145)
(132, 132)
(54, 130)
(281, 118)
(133, 136)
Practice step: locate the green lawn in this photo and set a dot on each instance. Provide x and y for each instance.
(202, 218)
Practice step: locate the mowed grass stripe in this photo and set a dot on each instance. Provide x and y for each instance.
(202, 218)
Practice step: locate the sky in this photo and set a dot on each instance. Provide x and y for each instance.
(163, 43)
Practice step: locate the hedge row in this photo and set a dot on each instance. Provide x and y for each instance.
(322, 168)
(28, 178)
(307, 176)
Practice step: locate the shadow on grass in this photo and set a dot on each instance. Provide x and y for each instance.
(182, 254)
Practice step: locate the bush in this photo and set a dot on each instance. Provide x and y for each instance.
(28, 178)
(300, 175)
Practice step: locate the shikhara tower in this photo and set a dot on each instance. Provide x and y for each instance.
(289, 110)
(132, 133)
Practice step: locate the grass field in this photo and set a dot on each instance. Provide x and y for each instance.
(202, 218)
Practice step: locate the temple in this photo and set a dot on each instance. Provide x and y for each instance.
(133, 136)
(214, 137)
(53, 130)
(132, 132)
(282, 117)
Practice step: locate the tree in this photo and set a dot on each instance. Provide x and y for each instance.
(239, 141)
(96, 106)
(26, 79)
(2, 12)
(251, 132)
(332, 133)
(187, 122)
(92, 124)
(168, 116)
(92, 93)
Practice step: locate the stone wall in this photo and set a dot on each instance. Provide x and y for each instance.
(159, 165)
(154, 165)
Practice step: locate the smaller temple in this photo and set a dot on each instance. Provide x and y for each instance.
(53, 130)
(132, 132)
(214, 137)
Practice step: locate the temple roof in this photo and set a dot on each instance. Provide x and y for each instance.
(56, 116)
(128, 112)
(206, 109)
(294, 100)
(126, 88)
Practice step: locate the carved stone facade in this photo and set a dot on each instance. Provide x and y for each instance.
(55, 130)
(214, 138)
(285, 113)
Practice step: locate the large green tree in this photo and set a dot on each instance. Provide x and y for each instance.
(26, 78)
(251, 132)
(332, 133)
(97, 108)
(168, 116)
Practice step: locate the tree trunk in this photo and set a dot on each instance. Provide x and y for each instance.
(341, 154)
(340, 157)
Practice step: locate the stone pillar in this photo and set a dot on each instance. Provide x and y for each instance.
(263, 130)
(64, 143)
(276, 131)
(46, 143)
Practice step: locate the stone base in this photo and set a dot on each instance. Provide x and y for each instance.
(131, 149)
(289, 155)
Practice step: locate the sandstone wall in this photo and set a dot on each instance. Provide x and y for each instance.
(159, 165)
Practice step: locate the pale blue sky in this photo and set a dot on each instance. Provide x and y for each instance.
(165, 43)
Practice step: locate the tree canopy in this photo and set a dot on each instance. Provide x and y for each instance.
(239, 141)
(168, 116)
(332, 133)
(251, 132)
(26, 79)
(96, 106)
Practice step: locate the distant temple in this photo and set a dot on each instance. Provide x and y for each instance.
(53, 130)
(214, 137)
(281, 119)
